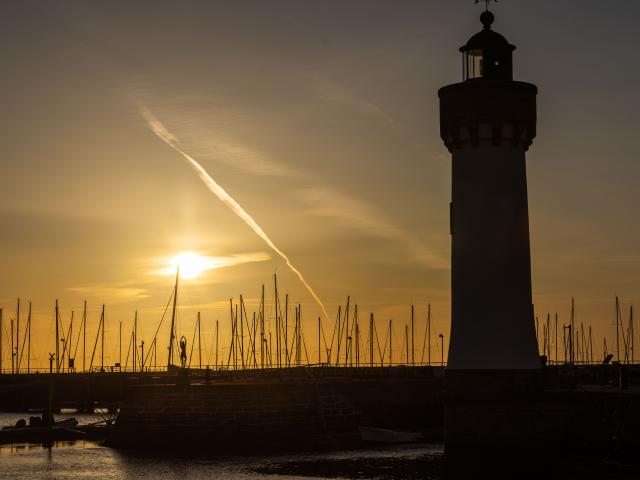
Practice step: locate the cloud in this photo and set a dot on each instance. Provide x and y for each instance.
(330, 91)
(624, 259)
(207, 140)
(117, 294)
(240, 157)
(329, 203)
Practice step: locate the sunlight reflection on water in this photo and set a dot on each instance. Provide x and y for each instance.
(83, 460)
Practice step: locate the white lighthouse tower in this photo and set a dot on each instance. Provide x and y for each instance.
(493, 377)
(488, 122)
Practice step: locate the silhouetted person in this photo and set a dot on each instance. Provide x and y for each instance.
(183, 351)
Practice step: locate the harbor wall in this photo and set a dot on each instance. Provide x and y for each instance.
(291, 412)
(234, 417)
(531, 434)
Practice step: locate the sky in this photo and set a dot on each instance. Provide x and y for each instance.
(320, 120)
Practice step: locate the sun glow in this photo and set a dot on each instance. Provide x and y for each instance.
(191, 264)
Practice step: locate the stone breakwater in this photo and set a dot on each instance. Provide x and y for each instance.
(293, 412)
(235, 417)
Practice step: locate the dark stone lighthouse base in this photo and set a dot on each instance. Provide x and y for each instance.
(498, 423)
(502, 424)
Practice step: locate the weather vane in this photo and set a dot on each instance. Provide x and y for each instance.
(487, 2)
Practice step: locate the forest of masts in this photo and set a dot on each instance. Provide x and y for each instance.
(276, 339)
(575, 344)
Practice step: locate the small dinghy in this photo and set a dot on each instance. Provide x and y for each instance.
(381, 435)
(67, 422)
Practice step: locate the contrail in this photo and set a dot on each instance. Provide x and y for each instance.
(167, 137)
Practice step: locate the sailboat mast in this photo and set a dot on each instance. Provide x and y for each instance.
(390, 342)
(234, 338)
(346, 333)
(572, 334)
(631, 333)
(12, 348)
(1, 326)
(357, 335)
(102, 347)
(262, 339)
(617, 330)
(173, 318)
(57, 338)
(556, 326)
(371, 339)
(84, 337)
(199, 344)
(406, 342)
(241, 331)
(339, 334)
(217, 329)
(275, 293)
(429, 334)
(319, 343)
(357, 345)
(253, 344)
(29, 339)
(18, 338)
(286, 328)
(120, 344)
(135, 334)
(233, 333)
(548, 342)
(297, 337)
(69, 343)
(413, 351)
(300, 340)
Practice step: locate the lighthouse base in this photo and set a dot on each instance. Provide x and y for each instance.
(499, 423)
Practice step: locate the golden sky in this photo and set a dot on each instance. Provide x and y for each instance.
(320, 119)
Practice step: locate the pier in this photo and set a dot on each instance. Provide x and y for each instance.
(86, 392)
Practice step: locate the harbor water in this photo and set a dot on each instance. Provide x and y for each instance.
(89, 460)
(86, 460)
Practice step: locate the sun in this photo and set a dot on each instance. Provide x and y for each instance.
(191, 264)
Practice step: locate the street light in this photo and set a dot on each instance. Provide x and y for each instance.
(441, 349)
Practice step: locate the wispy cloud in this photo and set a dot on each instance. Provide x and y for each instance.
(329, 203)
(240, 157)
(210, 133)
(330, 91)
(113, 293)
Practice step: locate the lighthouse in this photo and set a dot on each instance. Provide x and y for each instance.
(488, 122)
(493, 376)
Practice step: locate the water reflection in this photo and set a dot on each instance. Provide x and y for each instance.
(87, 460)
(83, 460)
